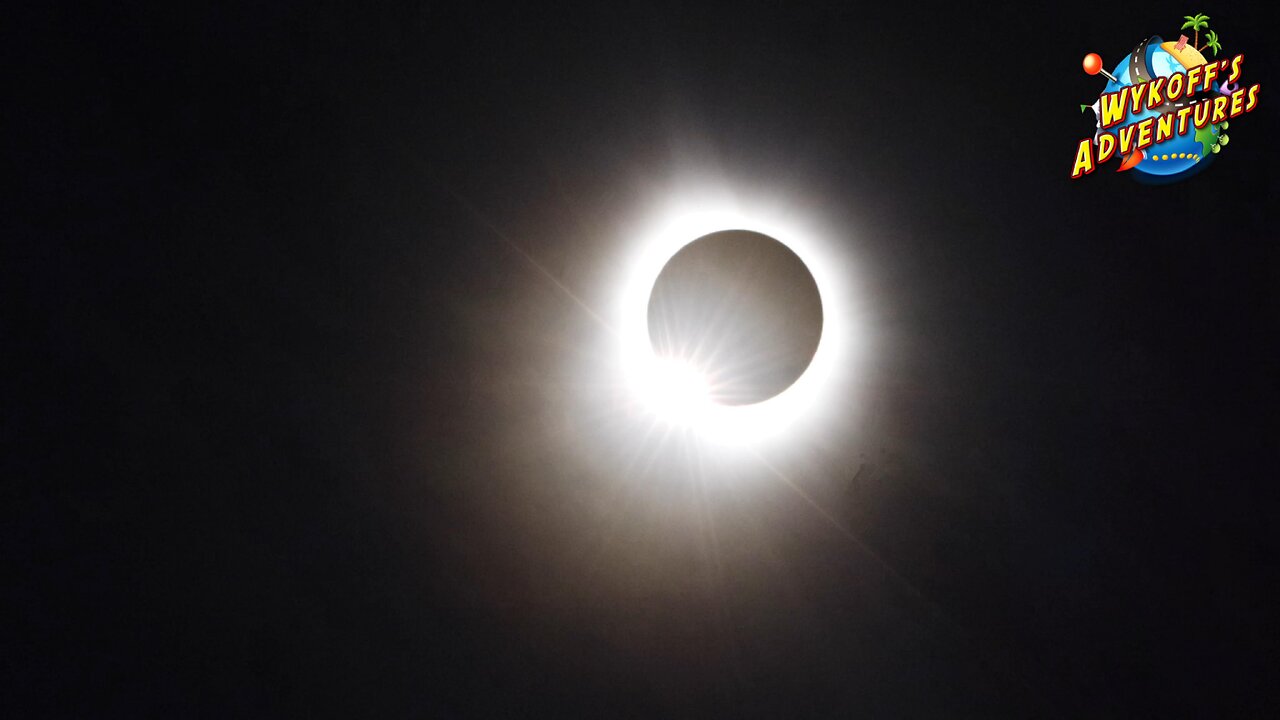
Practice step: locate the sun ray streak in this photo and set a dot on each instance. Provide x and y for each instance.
(845, 531)
(959, 635)
(479, 217)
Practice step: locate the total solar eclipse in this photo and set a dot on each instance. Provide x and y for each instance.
(740, 307)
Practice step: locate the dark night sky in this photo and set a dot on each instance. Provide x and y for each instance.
(291, 430)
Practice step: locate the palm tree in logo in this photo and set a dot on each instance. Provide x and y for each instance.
(1212, 42)
(1197, 23)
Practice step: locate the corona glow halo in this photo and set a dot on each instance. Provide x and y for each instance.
(676, 393)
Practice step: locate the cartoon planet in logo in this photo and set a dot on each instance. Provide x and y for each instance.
(1181, 155)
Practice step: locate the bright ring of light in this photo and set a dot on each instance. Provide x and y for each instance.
(650, 379)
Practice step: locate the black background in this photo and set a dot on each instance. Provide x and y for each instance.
(272, 354)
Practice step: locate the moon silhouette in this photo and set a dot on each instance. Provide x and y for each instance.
(743, 309)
